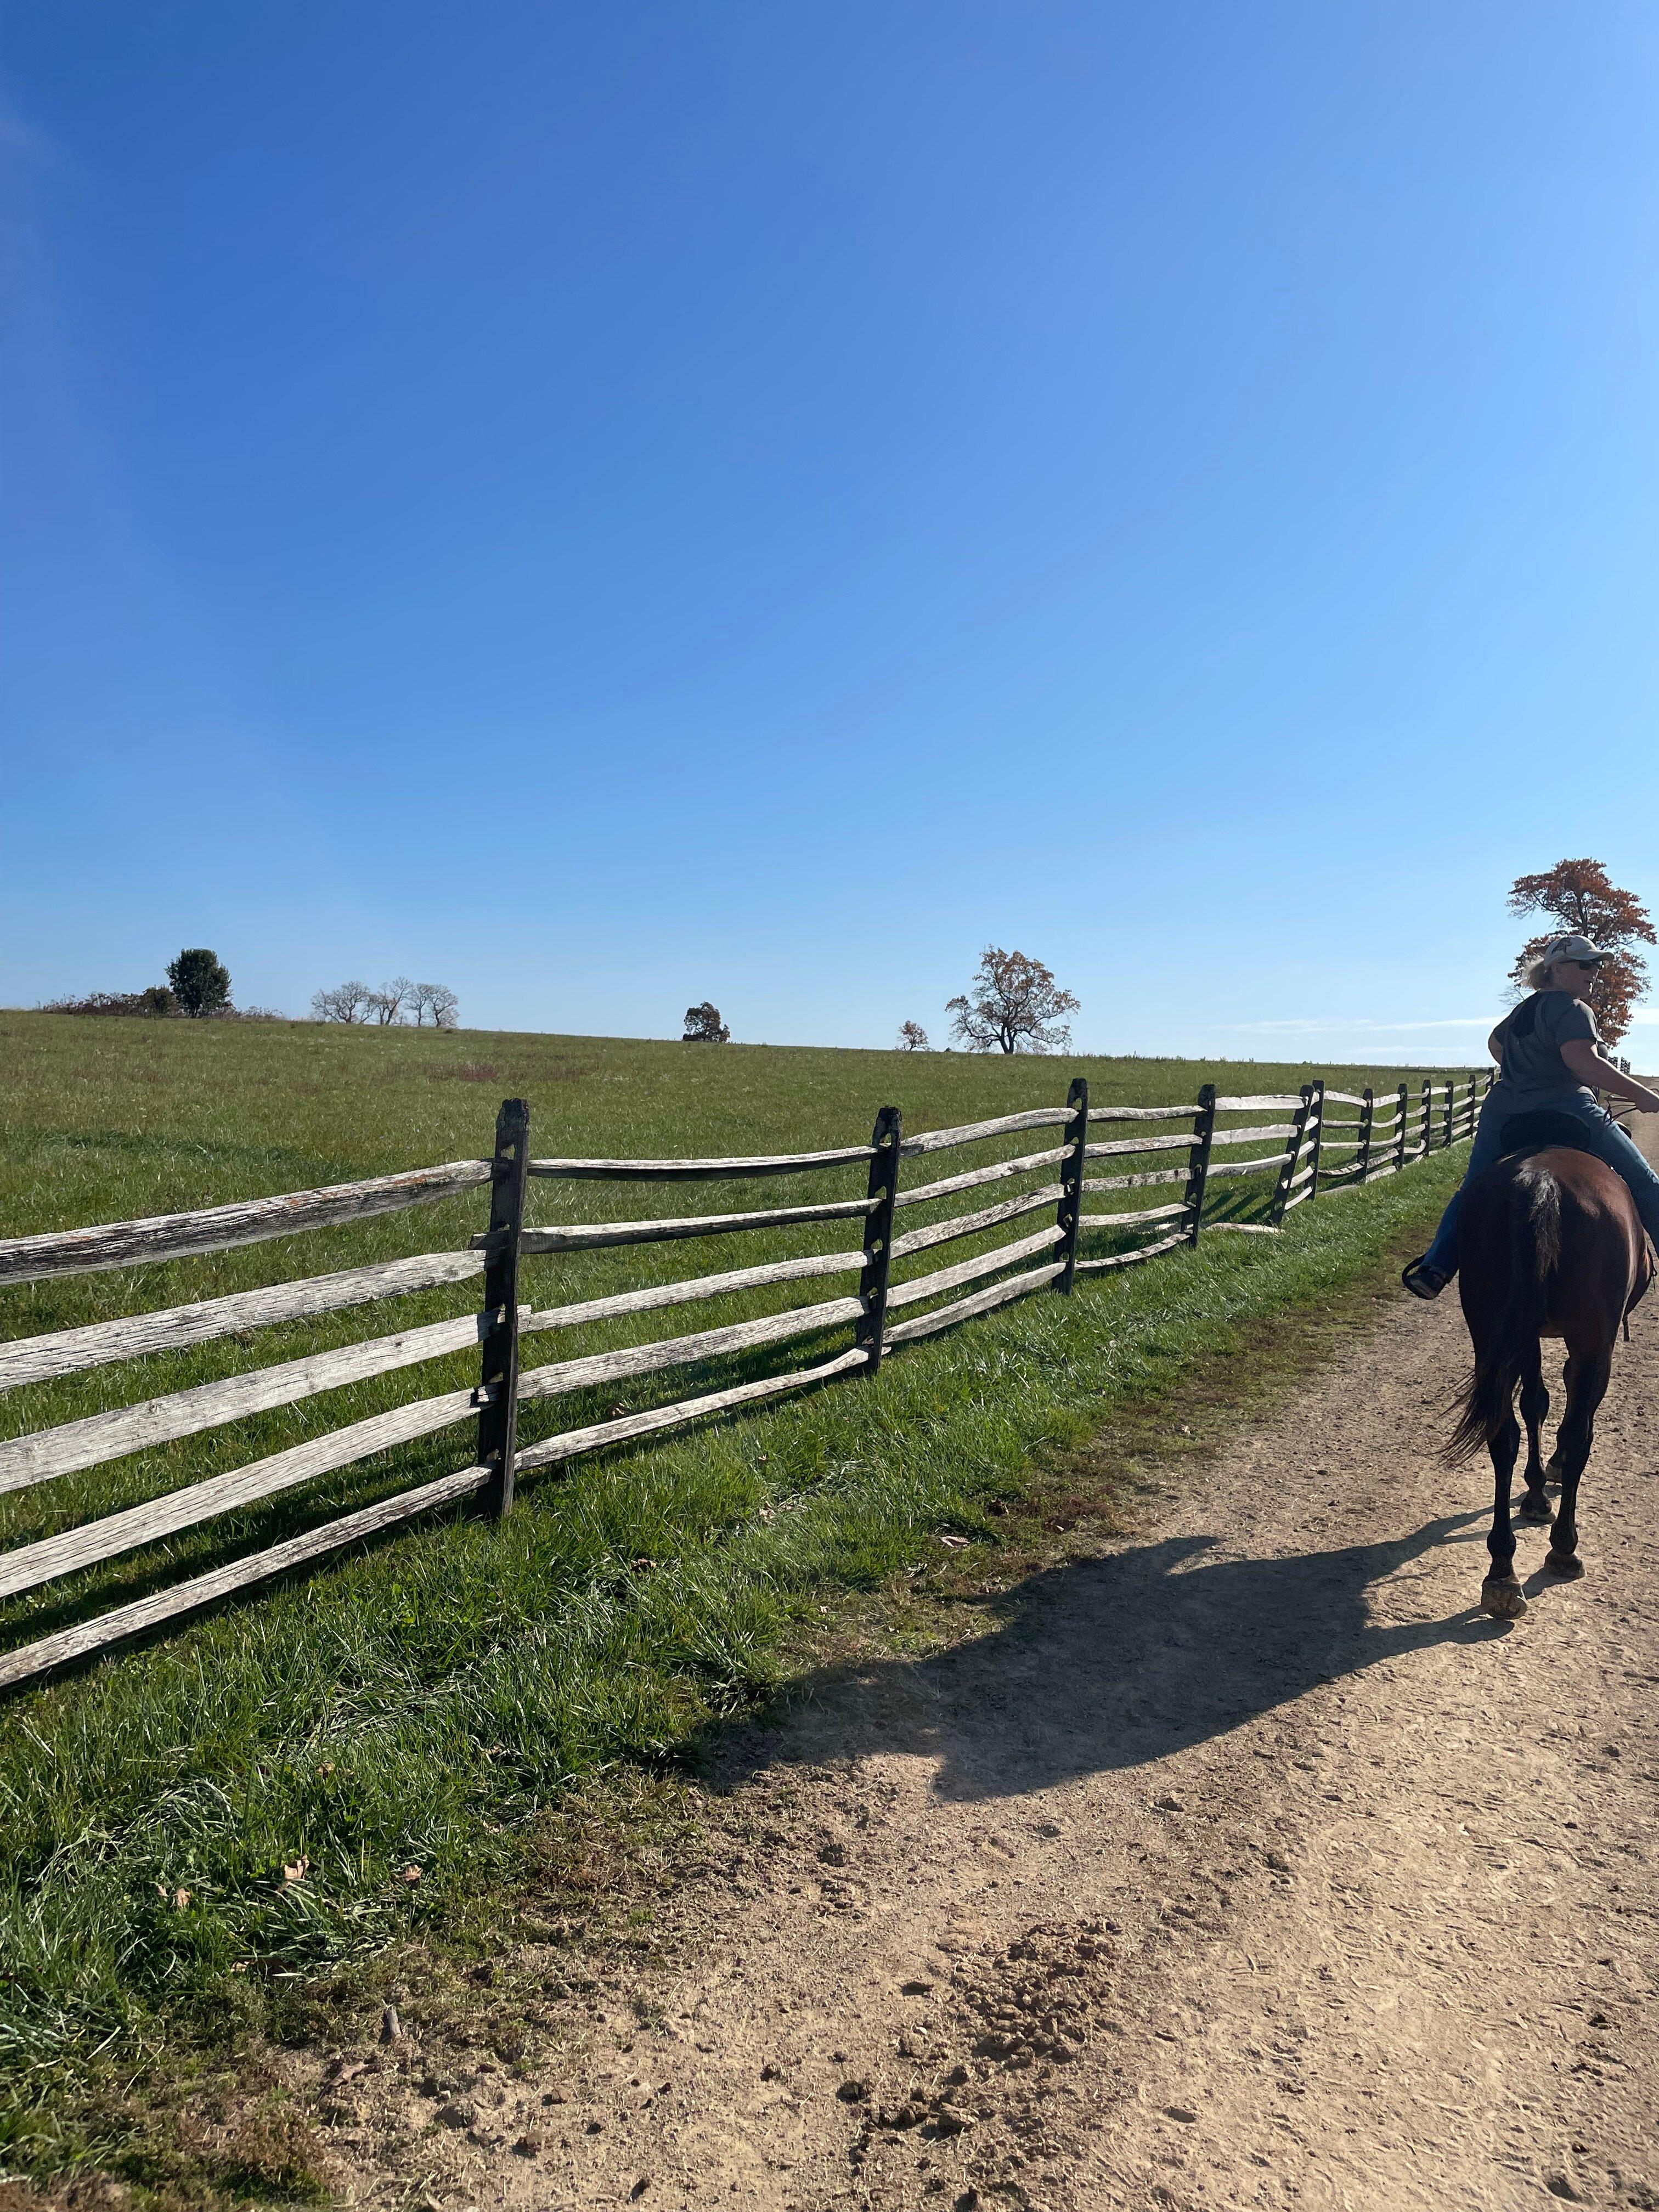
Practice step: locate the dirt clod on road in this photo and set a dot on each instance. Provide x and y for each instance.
(1241, 1863)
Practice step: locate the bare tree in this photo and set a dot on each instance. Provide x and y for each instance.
(391, 1003)
(435, 1002)
(703, 1025)
(1013, 1004)
(913, 1037)
(346, 1002)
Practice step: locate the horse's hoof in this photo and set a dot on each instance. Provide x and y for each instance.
(1537, 1510)
(1501, 1597)
(1565, 1564)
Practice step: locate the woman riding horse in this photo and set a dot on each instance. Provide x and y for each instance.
(1549, 1055)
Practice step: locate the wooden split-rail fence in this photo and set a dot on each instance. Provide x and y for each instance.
(1314, 1153)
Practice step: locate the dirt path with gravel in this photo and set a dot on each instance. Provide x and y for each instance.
(1242, 1864)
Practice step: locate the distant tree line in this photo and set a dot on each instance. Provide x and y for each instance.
(397, 1004)
(197, 988)
(1012, 1004)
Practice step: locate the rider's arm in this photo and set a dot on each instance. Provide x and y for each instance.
(1495, 1045)
(1591, 1065)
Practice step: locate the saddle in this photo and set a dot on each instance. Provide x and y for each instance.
(1543, 1126)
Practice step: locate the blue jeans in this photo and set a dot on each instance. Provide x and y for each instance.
(1607, 1140)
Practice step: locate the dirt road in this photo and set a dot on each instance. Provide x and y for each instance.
(1243, 1864)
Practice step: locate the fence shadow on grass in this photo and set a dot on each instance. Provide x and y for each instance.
(1110, 1663)
(79, 1540)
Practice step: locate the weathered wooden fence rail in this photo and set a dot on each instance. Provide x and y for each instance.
(1310, 1153)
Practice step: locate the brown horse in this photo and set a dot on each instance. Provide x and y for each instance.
(1550, 1244)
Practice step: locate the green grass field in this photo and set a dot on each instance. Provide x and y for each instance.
(419, 1704)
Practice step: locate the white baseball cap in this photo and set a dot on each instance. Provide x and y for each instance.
(1571, 948)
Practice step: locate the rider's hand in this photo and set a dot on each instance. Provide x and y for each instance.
(1648, 1103)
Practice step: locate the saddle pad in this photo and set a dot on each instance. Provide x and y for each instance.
(1533, 1131)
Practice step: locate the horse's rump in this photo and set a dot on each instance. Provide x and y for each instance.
(1550, 1244)
(1563, 1218)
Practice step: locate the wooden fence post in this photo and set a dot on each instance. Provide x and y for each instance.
(498, 1415)
(1319, 1134)
(1281, 1195)
(1446, 1130)
(1427, 1116)
(1198, 1167)
(1071, 1176)
(1367, 1116)
(1403, 1110)
(878, 1236)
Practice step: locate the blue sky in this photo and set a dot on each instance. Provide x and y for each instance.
(608, 507)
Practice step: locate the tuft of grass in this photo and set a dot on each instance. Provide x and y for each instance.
(197, 1836)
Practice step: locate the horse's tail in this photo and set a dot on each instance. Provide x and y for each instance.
(1509, 1346)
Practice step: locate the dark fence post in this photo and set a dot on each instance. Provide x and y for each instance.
(1428, 1116)
(1319, 1134)
(1198, 1167)
(1281, 1196)
(498, 1416)
(1071, 1176)
(1446, 1134)
(1367, 1116)
(879, 1236)
(1404, 1110)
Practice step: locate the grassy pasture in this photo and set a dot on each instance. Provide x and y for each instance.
(417, 1706)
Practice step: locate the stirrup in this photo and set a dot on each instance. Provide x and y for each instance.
(1422, 1281)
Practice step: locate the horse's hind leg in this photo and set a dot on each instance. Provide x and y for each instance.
(1590, 1374)
(1535, 1406)
(1552, 1472)
(1500, 1594)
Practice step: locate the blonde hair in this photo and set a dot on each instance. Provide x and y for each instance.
(1538, 976)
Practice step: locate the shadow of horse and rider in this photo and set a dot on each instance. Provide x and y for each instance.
(1115, 1662)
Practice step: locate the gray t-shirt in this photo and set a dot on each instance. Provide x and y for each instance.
(1534, 1073)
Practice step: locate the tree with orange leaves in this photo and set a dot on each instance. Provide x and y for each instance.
(1579, 896)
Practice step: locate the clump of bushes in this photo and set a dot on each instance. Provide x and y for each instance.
(198, 986)
(156, 1002)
